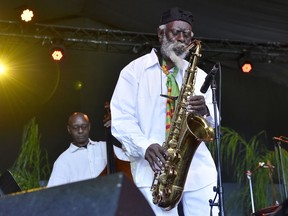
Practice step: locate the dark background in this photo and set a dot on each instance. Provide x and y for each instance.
(38, 87)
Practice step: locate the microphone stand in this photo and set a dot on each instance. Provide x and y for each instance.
(249, 174)
(219, 188)
(282, 167)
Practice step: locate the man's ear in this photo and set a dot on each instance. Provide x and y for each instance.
(160, 34)
(68, 129)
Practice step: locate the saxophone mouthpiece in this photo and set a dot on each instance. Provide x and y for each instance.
(192, 45)
(192, 48)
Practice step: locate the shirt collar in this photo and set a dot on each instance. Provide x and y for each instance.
(153, 60)
(73, 148)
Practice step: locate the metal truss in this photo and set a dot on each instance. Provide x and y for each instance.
(108, 40)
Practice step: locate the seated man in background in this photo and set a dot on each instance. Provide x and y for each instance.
(84, 159)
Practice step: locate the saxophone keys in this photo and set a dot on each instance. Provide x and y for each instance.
(163, 179)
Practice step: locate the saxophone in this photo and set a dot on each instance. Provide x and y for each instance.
(187, 132)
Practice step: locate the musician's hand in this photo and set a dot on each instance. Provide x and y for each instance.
(196, 104)
(156, 155)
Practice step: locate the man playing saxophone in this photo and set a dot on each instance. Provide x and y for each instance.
(143, 103)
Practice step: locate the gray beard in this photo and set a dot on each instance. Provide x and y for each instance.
(175, 51)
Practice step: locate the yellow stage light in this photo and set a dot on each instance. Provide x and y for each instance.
(57, 53)
(2, 69)
(57, 49)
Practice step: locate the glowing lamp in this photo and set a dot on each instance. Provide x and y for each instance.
(57, 54)
(27, 15)
(246, 67)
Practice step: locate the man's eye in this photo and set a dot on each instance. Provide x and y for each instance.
(77, 127)
(187, 34)
(178, 32)
(175, 32)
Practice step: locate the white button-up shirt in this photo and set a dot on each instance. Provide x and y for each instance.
(79, 163)
(139, 119)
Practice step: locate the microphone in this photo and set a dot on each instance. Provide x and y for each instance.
(209, 77)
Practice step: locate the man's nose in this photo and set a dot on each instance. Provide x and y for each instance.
(181, 37)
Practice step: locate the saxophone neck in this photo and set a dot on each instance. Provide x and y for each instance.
(194, 48)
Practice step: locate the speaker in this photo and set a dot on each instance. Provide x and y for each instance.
(109, 195)
(8, 184)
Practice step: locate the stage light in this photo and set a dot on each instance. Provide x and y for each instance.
(57, 49)
(246, 66)
(78, 85)
(2, 68)
(245, 63)
(57, 54)
(27, 15)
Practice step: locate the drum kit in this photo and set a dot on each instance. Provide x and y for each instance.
(276, 209)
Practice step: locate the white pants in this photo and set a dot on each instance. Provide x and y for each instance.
(195, 203)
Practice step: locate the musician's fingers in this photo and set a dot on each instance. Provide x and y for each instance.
(151, 163)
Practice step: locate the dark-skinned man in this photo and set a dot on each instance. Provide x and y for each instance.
(143, 96)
